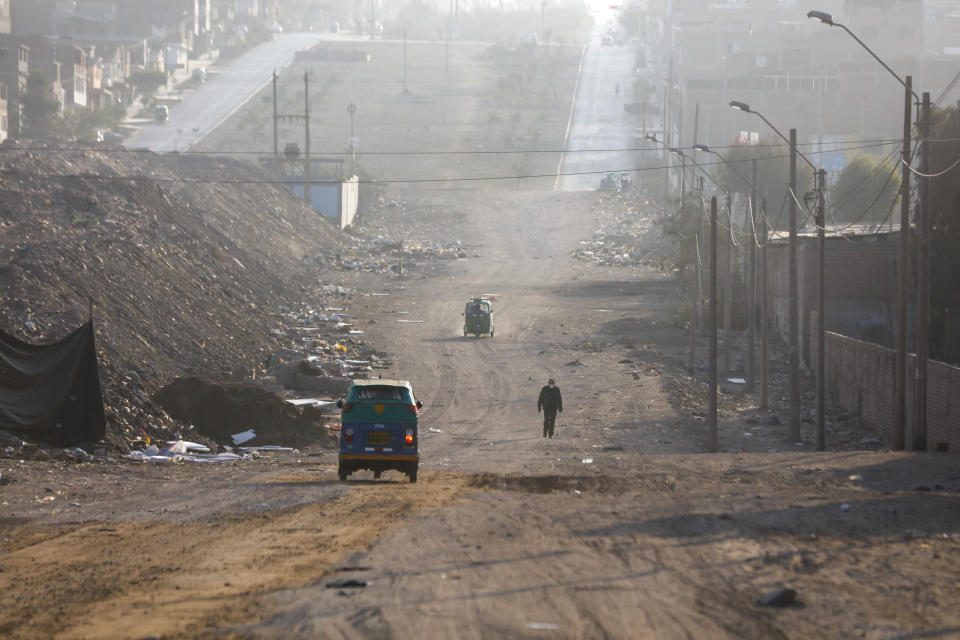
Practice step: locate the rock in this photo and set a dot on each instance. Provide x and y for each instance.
(778, 598)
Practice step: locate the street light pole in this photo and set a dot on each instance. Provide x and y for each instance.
(821, 241)
(898, 435)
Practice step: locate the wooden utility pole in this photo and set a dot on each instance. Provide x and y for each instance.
(821, 177)
(728, 291)
(923, 284)
(751, 279)
(764, 404)
(307, 169)
(898, 437)
(276, 151)
(712, 421)
(794, 294)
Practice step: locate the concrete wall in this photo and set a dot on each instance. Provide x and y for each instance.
(336, 201)
(860, 377)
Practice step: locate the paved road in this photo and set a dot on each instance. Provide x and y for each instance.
(201, 111)
(599, 120)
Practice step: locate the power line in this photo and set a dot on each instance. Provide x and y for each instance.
(138, 150)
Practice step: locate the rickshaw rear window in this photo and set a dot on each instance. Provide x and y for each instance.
(379, 393)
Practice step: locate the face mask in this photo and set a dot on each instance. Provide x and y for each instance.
(552, 386)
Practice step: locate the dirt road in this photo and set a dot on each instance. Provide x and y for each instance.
(619, 527)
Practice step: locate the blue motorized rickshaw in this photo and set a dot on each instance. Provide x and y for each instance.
(378, 428)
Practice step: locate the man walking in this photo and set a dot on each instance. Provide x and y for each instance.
(550, 403)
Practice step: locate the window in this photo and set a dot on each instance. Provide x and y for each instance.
(379, 393)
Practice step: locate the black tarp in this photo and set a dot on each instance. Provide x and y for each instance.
(51, 393)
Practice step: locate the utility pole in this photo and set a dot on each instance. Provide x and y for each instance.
(763, 306)
(898, 437)
(307, 169)
(821, 177)
(446, 63)
(728, 291)
(405, 62)
(752, 285)
(794, 294)
(373, 23)
(712, 434)
(276, 152)
(923, 276)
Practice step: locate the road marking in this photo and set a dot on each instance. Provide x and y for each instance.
(573, 104)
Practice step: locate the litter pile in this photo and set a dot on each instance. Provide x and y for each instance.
(627, 233)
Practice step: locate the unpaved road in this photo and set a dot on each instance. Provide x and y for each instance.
(506, 534)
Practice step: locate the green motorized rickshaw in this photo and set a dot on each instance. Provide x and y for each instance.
(478, 317)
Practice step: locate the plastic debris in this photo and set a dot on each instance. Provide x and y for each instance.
(243, 436)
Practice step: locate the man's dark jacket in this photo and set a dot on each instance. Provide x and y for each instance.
(550, 400)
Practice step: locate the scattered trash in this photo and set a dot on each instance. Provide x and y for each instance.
(855, 477)
(574, 363)
(778, 598)
(587, 461)
(845, 507)
(409, 321)
(243, 436)
(737, 380)
(433, 430)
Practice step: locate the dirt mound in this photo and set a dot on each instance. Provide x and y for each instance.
(218, 410)
(184, 259)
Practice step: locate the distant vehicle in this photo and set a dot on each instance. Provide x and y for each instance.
(378, 428)
(606, 41)
(478, 317)
(108, 136)
(161, 113)
(334, 27)
(200, 75)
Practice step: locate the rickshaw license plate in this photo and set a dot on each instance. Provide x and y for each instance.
(379, 437)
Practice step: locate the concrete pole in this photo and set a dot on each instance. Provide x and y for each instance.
(728, 291)
(794, 294)
(307, 168)
(821, 177)
(752, 285)
(898, 436)
(276, 151)
(923, 284)
(764, 404)
(712, 436)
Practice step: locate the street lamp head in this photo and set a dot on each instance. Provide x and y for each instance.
(701, 147)
(821, 16)
(741, 106)
(676, 152)
(652, 137)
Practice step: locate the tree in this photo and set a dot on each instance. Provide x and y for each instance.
(945, 237)
(146, 82)
(39, 107)
(773, 176)
(865, 191)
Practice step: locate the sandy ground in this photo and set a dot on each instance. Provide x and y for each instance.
(619, 527)
(616, 528)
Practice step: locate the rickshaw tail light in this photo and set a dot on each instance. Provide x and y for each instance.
(413, 408)
(348, 435)
(409, 437)
(347, 406)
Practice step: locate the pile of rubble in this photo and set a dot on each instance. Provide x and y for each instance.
(627, 232)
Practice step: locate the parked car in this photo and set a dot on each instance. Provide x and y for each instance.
(378, 428)
(161, 113)
(606, 41)
(108, 136)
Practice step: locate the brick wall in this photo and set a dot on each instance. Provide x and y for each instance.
(860, 377)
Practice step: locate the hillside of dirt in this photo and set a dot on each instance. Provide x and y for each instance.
(184, 261)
